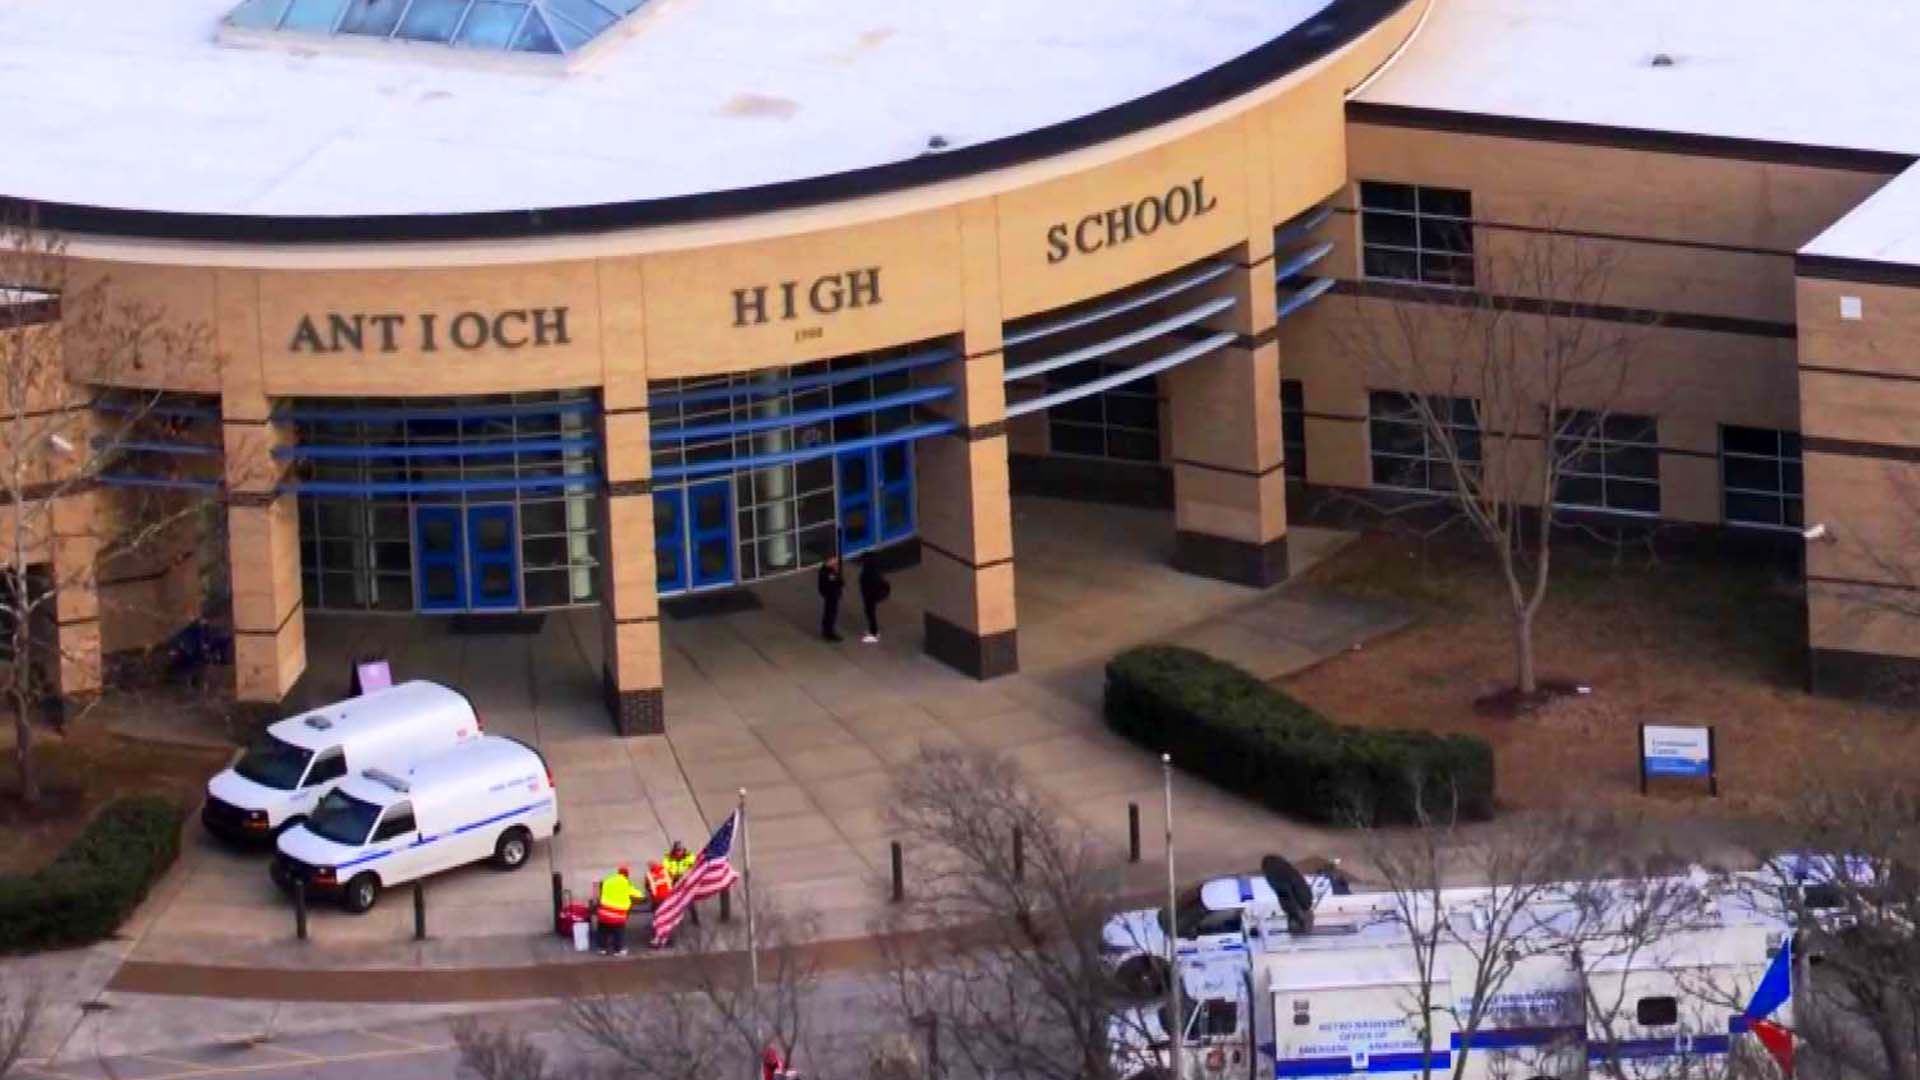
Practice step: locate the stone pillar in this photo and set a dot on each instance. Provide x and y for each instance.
(1230, 493)
(631, 677)
(965, 517)
(74, 558)
(263, 555)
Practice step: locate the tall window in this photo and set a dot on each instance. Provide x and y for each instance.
(1121, 423)
(1293, 426)
(1618, 468)
(1404, 451)
(1760, 476)
(1421, 234)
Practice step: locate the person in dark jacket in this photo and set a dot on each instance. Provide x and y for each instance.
(874, 589)
(831, 586)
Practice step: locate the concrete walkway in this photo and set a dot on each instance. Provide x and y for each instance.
(755, 700)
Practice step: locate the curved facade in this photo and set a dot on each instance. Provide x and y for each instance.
(607, 405)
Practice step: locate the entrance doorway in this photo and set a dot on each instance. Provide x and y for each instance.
(468, 556)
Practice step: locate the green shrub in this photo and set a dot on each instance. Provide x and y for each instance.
(92, 886)
(1222, 723)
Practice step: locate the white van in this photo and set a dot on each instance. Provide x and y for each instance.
(490, 797)
(282, 777)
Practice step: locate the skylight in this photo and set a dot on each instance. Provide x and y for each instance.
(553, 27)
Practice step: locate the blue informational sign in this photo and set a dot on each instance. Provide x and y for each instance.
(1684, 752)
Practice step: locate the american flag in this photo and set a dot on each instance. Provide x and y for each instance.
(712, 873)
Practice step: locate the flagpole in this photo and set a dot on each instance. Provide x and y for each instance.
(1175, 1026)
(746, 886)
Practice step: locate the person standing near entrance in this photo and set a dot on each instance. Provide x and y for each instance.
(874, 590)
(832, 584)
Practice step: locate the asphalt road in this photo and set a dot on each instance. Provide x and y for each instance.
(847, 1015)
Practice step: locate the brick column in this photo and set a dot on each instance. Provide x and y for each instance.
(630, 677)
(74, 557)
(1230, 494)
(263, 555)
(965, 518)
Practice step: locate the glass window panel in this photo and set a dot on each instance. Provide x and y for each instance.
(257, 14)
(1445, 236)
(893, 462)
(591, 17)
(340, 591)
(372, 17)
(1790, 477)
(537, 518)
(1633, 495)
(1754, 509)
(1396, 438)
(432, 20)
(1580, 491)
(1445, 201)
(1794, 509)
(545, 552)
(341, 554)
(778, 554)
(1293, 394)
(1392, 265)
(390, 522)
(1128, 410)
(1635, 461)
(709, 511)
(493, 532)
(533, 36)
(1636, 429)
(1753, 474)
(853, 475)
(496, 581)
(310, 590)
(1086, 410)
(568, 35)
(896, 511)
(712, 558)
(1399, 472)
(1746, 440)
(314, 16)
(393, 556)
(1133, 445)
(1395, 230)
(1374, 194)
(815, 509)
(1076, 439)
(1456, 270)
(666, 563)
(442, 584)
(1790, 444)
(437, 536)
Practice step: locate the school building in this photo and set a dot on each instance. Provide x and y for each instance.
(519, 305)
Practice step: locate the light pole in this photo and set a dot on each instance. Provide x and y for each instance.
(1175, 1027)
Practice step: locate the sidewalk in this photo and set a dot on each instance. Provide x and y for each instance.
(811, 730)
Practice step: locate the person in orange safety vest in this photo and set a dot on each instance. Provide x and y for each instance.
(617, 895)
(659, 884)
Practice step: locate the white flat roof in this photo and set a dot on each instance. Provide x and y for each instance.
(1885, 228)
(132, 104)
(1833, 73)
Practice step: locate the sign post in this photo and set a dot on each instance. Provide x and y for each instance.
(1682, 752)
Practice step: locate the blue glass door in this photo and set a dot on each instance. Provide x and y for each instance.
(439, 550)
(710, 533)
(855, 476)
(894, 466)
(669, 541)
(493, 558)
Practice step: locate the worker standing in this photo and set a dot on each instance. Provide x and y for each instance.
(616, 901)
(678, 862)
(659, 884)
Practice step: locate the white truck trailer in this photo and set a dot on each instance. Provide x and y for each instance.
(1343, 998)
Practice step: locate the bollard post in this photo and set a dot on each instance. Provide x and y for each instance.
(1133, 832)
(419, 910)
(557, 894)
(726, 904)
(1019, 856)
(899, 878)
(300, 908)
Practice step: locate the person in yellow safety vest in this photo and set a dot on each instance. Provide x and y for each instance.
(616, 900)
(658, 884)
(678, 862)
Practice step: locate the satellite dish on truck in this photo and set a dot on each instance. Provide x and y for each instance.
(1296, 896)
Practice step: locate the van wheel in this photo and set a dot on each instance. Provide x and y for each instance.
(1143, 977)
(511, 852)
(360, 893)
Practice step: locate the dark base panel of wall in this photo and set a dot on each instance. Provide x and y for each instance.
(708, 604)
(1238, 561)
(987, 657)
(634, 712)
(894, 557)
(1091, 480)
(1857, 676)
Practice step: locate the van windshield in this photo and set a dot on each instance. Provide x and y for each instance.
(343, 819)
(274, 763)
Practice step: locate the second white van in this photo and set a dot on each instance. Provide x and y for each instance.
(489, 798)
(285, 773)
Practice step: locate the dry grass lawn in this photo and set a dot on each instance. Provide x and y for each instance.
(1670, 642)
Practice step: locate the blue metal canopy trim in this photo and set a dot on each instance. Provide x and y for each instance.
(170, 483)
(161, 447)
(905, 434)
(1300, 226)
(799, 419)
(1301, 261)
(1112, 345)
(453, 412)
(804, 382)
(436, 487)
(1305, 296)
(1210, 272)
(494, 449)
(1121, 377)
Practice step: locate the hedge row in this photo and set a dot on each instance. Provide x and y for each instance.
(92, 886)
(1224, 724)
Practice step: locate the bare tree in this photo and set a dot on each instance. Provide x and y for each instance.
(1843, 866)
(62, 342)
(714, 1020)
(20, 1011)
(1021, 991)
(1507, 401)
